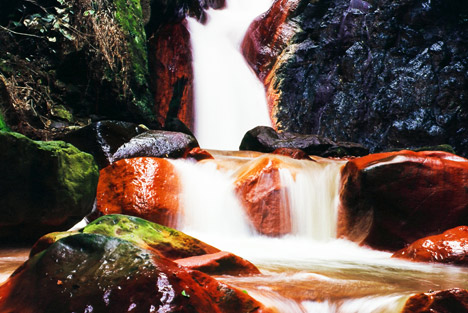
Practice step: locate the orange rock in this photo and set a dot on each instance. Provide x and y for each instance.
(297, 154)
(144, 187)
(451, 300)
(170, 60)
(220, 263)
(389, 200)
(198, 154)
(264, 197)
(448, 247)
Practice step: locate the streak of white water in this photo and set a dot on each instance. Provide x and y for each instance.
(209, 202)
(229, 99)
(313, 196)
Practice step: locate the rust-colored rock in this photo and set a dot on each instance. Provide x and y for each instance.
(198, 154)
(170, 59)
(445, 301)
(449, 247)
(389, 200)
(263, 196)
(221, 263)
(297, 154)
(267, 36)
(144, 187)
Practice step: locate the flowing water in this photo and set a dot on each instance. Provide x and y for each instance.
(308, 270)
(229, 99)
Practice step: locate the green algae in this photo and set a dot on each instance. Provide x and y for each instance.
(170, 242)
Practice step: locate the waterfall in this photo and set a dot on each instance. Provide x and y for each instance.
(211, 207)
(229, 99)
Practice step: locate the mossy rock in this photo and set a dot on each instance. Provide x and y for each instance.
(46, 186)
(169, 242)
(96, 273)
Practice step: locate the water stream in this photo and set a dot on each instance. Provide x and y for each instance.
(229, 99)
(308, 270)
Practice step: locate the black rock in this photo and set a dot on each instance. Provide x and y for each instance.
(156, 143)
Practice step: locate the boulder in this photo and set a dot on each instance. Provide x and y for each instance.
(144, 187)
(96, 273)
(259, 188)
(103, 138)
(198, 154)
(220, 263)
(449, 247)
(297, 154)
(170, 60)
(156, 143)
(46, 186)
(168, 242)
(444, 301)
(266, 139)
(386, 74)
(389, 200)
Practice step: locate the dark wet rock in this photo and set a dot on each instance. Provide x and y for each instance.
(220, 263)
(168, 242)
(45, 186)
(389, 200)
(385, 74)
(145, 187)
(266, 139)
(95, 273)
(444, 301)
(156, 143)
(449, 247)
(103, 138)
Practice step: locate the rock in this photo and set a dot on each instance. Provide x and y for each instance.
(297, 154)
(266, 139)
(46, 186)
(445, 301)
(103, 138)
(198, 154)
(95, 273)
(385, 74)
(449, 247)
(268, 36)
(264, 197)
(389, 200)
(220, 263)
(170, 59)
(156, 143)
(144, 187)
(168, 242)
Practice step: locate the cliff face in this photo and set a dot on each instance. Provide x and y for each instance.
(386, 74)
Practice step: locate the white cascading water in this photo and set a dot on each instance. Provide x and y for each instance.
(229, 99)
(308, 270)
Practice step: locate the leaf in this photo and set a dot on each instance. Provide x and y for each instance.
(185, 294)
(89, 12)
(52, 39)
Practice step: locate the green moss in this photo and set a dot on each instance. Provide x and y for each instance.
(168, 241)
(129, 15)
(3, 125)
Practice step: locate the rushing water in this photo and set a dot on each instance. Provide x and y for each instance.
(309, 270)
(229, 99)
